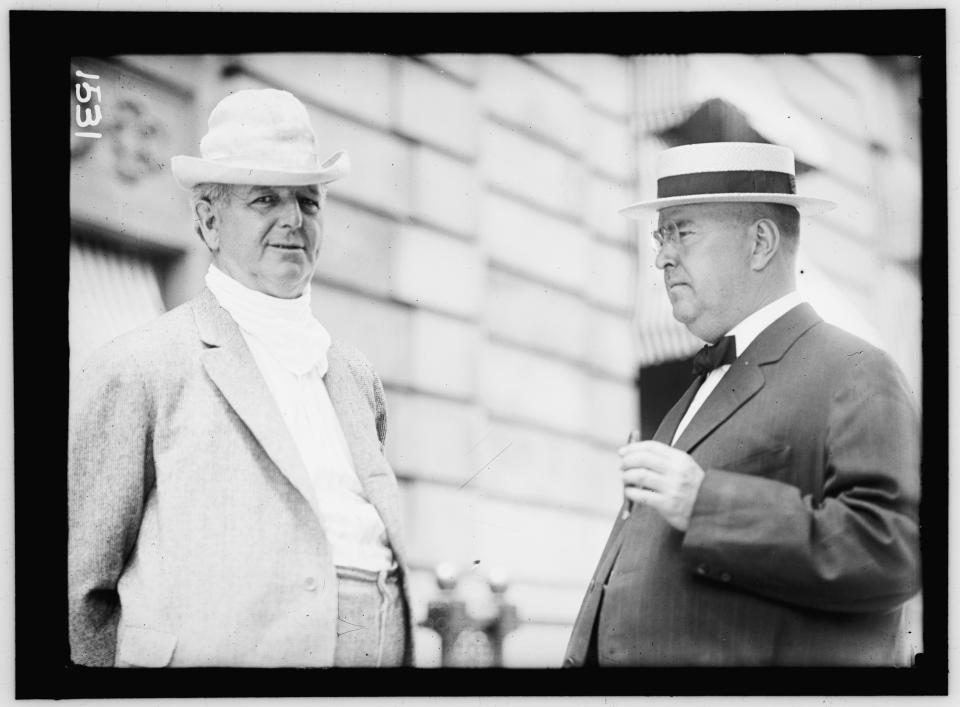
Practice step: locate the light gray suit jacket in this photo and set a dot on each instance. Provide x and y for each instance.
(194, 532)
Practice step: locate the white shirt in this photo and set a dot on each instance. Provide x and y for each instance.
(744, 333)
(290, 348)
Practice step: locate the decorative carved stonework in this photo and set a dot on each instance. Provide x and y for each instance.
(137, 139)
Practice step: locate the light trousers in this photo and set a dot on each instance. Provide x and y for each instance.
(370, 621)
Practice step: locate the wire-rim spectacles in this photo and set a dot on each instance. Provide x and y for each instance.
(668, 232)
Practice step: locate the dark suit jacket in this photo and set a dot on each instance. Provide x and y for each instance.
(803, 542)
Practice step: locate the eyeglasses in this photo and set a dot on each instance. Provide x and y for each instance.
(668, 232)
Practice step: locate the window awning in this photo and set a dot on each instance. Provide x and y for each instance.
(672, 87)
(110, 293)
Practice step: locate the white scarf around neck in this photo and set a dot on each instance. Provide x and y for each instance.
(285, 327)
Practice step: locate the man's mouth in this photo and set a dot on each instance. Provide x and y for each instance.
(286, 246)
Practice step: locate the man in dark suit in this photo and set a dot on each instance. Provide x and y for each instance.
(772, 520)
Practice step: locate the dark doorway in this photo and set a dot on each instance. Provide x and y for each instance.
(660, 387)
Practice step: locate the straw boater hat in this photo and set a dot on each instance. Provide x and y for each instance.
(726, 172)
(259, 137)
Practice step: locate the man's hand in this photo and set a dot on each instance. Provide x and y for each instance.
(663, 478)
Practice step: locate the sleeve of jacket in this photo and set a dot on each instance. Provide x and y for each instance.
(855, 548)
(109, 475)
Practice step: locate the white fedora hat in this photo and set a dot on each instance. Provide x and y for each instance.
(259, 137)
(727, 172)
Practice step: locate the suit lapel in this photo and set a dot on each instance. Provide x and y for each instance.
(739, 384)
(745, 377)
(359, 429)
(234, 371)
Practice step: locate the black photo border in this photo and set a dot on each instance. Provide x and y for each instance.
(41, 45)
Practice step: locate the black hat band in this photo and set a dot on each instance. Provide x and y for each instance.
(741, 182)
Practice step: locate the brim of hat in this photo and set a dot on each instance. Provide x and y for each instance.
(190, 171)
(806, 205)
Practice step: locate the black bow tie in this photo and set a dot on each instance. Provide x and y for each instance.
(719, 354)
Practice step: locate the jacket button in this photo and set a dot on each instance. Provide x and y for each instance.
(702, 569)
(725, 577)
(569, 662)
(310, 584)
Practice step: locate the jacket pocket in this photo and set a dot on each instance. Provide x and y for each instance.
(767, 462)
(139, 647)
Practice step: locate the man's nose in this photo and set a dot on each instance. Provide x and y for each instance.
(666, 255)
(292, 215)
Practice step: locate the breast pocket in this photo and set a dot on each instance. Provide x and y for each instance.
(769, 462)
(139, 647)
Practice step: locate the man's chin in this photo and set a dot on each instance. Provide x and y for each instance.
(681, 313)
(288, 285)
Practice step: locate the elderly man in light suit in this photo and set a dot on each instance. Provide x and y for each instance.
(772, 520)
(229, 501)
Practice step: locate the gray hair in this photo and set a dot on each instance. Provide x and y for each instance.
(785, 216)
(213, 193)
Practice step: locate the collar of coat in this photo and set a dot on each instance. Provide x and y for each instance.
(744, 379)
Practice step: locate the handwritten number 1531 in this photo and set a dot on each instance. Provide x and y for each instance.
(84, 92)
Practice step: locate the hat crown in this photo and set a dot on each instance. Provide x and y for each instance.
(725, 157)
(261, 128)
(259, 136)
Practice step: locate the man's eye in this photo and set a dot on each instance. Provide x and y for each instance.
(265, 199)
(685, 233)
(309, 205)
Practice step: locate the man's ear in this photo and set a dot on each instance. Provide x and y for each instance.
(766, 242)
(209, 221)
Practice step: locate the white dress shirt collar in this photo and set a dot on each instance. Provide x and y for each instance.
(744, 332)
(749, 329)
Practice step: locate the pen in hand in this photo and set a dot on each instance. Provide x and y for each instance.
(634, 437)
